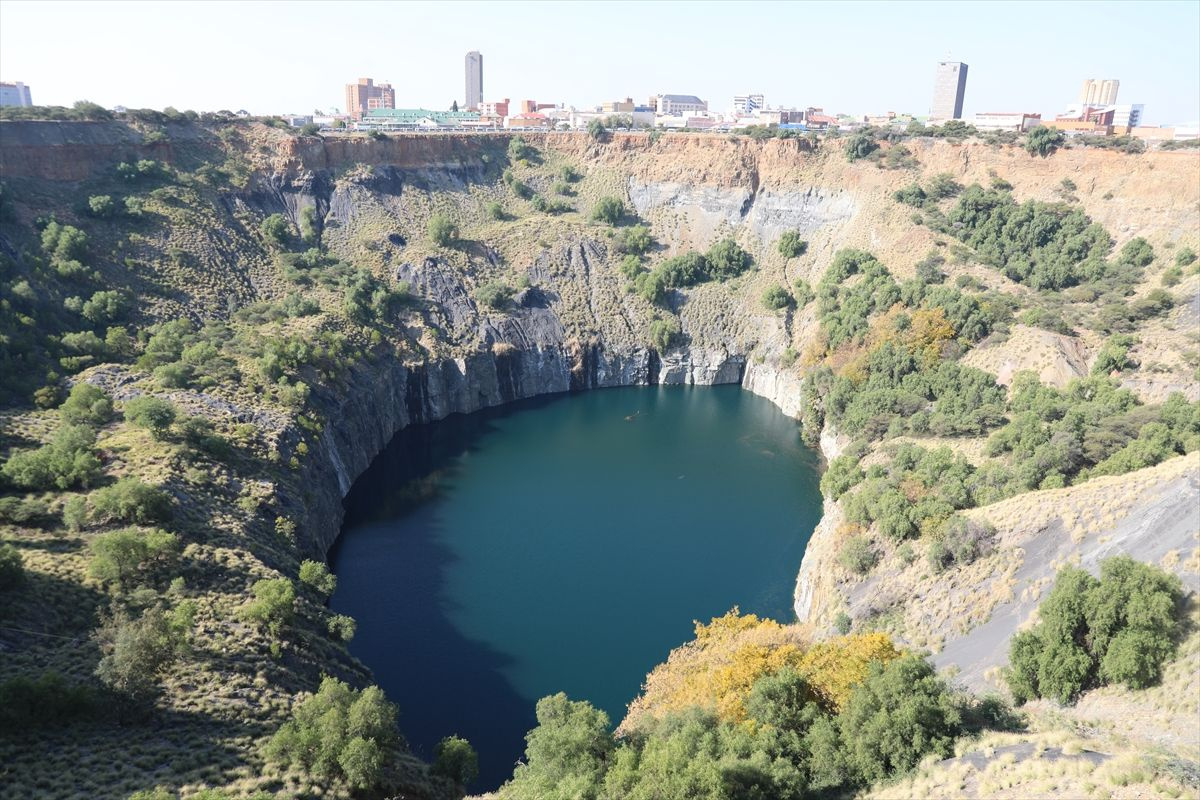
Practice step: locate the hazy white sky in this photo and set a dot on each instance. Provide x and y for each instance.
(853, 57)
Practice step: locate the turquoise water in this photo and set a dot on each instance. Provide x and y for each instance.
(565, 544)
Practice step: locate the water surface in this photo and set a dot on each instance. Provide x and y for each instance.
(565, 544)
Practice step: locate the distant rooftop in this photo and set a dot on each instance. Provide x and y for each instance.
(683, 98)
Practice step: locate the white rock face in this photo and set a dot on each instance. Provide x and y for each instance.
(702, 213)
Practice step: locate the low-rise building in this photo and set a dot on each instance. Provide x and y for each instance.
(495, 108)
(15, 94)
(401, 119)
(625, 106)
(1015, 121)
(529, 119)
(679, 104)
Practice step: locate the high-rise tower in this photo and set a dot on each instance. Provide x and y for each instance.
(474, 79)
(1097, 92)
(949, 87)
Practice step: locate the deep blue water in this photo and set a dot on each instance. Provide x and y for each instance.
(565, 544)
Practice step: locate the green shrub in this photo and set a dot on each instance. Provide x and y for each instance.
(454, 758)
(775, 298)
(442, 230)
(726, 259)
(520, 150)
(317, 576)
(125, 557)
(520, 189)
(12, 568)
(69, 460)
(338, 732)
(651, 287)
(803, 292)
(495, 211)
(860, 145)
(791, 245)
(900, 714)
(86, 404)
(276, 230)
(857, 555)
(101, 205)
(664, 333)
(341, 626)
(635, 239)
(1114, 355)
(963, 542)
(1185, 256)
(1043, 141)
(494, 294)
(843, 474)
(273, 606)
(130, 500)
(631, 266)
(570, 747)
(1119, 629)
(686, 269)
(609, 210)
(152, 413)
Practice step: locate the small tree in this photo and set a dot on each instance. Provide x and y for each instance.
(726, 259)
(635, 239)
(137, 650)
(152, 413)
(860, 145)
(664, 333)
(609, 210)
(454, 758)
(124, 557)
(317, 576)
(130, 500)
(273, 606)
(596, 129)
(791, 245)
(338, 732)
(857, 555)
(276, 229)
(310, 129)
(442, 230)
(101, 205)
(776, 298)
(494, 294)
(86, 404)
(1043, 141)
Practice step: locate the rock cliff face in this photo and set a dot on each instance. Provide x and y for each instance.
(386, 396)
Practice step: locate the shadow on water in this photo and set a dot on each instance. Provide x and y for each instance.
(443, 682)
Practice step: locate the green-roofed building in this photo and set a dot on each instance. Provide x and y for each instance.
(408, 119)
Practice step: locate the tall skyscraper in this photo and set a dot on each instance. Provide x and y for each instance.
(366, 96)
(1096, 92)
(949, 86)
(474, 79)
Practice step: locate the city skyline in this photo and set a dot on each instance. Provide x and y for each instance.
(535, 51)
